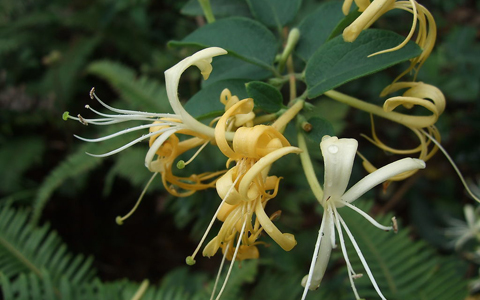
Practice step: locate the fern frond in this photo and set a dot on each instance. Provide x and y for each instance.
(403, 269)
(25, 248)
(143, 92)
(32, 287)
(75, 164)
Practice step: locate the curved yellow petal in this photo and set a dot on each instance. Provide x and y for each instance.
(242, 107)
(224, 187)
(256, 142)
(285, 240)
(263, 163)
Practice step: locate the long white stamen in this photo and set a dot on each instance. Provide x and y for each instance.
(351, 272)
(121, 132)
(314, 258)
(233, 259)
(115, 119)
(129, 116)
(368, 217)
(362, 258)
(134, 112)
(453, 165)
(136, 141)
(219, 271)
(119, 219)
(192, 257)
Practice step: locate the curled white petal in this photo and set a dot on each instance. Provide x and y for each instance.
(381, 175)
(202, 59)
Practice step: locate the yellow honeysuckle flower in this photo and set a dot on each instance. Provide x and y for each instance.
(246, 188)
(417, 94)
(371, 12)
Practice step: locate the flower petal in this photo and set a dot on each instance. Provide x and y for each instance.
(202, 59)
(324, 249)
(381, 175)
(338, 156)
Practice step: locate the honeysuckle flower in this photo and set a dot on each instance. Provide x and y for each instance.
(246, 188)
(338, 155)
(461, 231)
(164, 128)
(371, 12)
(416, 94)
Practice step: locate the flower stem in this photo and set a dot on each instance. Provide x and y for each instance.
(292, 40)
(308, 168)
(409, 121)
(284, 119)
(207, 10)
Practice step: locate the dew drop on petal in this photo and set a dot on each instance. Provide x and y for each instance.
(333, 149)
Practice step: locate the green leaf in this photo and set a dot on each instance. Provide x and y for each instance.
(206, 103)
(316, 28)
(274, 13)
(265, 96)
(338, 62)
(220, 8)
(229, 67)
(241, 37)
(320, 128)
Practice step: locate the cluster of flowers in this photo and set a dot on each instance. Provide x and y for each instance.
(250, 148)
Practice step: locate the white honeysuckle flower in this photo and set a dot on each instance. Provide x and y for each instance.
(462, 231)
(167, 123)
(203, 60)
(338, 155)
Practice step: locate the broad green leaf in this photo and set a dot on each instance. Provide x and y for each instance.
(229, 67)
(320, 127)
(338, 62)
(274, 13)
(241, 37)
(265, 96)
(206, 103)
(317, 28)
(220, 8)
